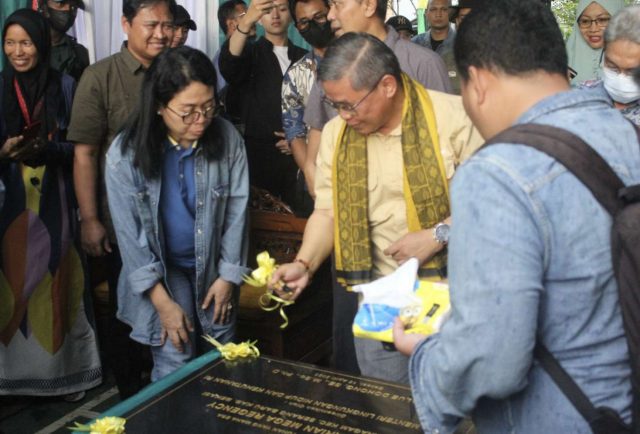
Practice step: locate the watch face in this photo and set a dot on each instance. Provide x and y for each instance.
(442, 233)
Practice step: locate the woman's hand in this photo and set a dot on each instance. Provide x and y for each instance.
(175, 324)
(18, 149)
(10, 146)
(220, 292)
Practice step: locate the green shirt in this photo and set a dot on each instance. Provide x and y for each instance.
(106, 95)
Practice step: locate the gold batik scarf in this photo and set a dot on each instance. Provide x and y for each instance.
(425, 188)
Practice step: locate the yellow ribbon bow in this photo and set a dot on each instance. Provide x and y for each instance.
(105, 425)
(233, 351)
(259, 278)
(262, 275)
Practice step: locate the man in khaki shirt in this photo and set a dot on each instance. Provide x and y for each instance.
(363, 82)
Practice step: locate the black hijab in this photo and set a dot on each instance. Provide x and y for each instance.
(40, 82)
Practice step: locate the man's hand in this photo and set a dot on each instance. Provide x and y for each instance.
(405, 342)
(420, 245)
(94, 237)
(282, 144)
(175, 324)
(296, 278)
(256, 10)
(220, 292)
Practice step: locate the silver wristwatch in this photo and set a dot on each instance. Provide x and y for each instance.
(441, 233)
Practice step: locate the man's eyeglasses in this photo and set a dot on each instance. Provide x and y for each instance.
(350, 109)
(585, 23)
(194, 115)
(303, 24)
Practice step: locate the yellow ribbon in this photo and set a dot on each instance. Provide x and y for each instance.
(261, 275)
(265, 300)
(259, 278)
(105, 425)
(233, 351)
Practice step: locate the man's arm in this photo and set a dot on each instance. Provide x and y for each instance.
(85, 176)
(317, 244)
(88, 129)
(496, 267)
(256, 10)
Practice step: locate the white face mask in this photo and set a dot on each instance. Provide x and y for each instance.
(621, 88)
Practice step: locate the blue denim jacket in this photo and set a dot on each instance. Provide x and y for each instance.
(530, 256)
(221, 239)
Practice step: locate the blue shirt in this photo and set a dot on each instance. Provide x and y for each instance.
(178, 203)
(529, 255)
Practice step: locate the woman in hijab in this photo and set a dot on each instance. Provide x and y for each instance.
(584, 46)
(47, 342)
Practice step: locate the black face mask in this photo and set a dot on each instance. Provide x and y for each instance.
(61, 21)
(318, 35)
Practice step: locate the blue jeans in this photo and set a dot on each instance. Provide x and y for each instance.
(166, 358)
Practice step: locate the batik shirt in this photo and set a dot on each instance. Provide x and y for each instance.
(296, 86)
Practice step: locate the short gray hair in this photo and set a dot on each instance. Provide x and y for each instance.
(625, 25)
(361, 56)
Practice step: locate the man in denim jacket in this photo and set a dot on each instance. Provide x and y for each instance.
(529, 251)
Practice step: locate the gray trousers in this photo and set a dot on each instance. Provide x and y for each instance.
(376, 362)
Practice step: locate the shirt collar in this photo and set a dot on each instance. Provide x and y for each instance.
(561, 101)
(176, 146)
(131, 62)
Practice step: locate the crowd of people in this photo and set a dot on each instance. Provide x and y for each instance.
(143, 161)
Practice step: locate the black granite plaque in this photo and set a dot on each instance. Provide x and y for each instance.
(275, 396)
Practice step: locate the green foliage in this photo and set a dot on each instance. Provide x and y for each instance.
(565, 12)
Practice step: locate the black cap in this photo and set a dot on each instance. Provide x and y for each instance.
(183, 18)
(400, 23)
(78, 3)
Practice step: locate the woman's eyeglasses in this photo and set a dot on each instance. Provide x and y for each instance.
(585, 22)
(194, 115)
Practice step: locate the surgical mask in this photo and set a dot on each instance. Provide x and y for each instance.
(621, 88)
(61, 21)
(318, 35)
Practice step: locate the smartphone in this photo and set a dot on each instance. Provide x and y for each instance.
(30, 132)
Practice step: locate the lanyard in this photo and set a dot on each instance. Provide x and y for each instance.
(23, 103)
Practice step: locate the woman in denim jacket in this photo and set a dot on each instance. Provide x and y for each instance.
(178, 189)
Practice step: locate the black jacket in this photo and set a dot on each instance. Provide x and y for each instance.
(255, 83)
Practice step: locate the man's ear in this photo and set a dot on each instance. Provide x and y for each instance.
(478, 83)
(126, 25)
(369, 7)
(389, 85)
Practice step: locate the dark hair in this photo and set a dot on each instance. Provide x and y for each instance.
(381, 9)
(226, 11)
(361, 56)
(145, 132)
(130, 8)
(512, 36)
(292, 7)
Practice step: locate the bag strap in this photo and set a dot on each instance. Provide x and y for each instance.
(566, 384)
(605, 185)
(574, 154)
